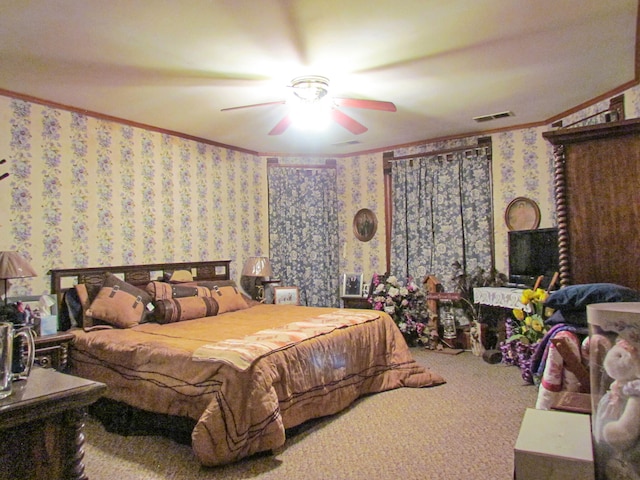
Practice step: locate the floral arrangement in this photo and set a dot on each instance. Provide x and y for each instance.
(405, 304)
(530, 326)
(524, 330)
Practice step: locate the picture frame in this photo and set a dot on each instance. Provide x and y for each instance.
(522, 213)
(352, 285)
(286, 295)
(365, 224)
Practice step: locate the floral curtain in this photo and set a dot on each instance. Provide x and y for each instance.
(442, 213)
(303, 232)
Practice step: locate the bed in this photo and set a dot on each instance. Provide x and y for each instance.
(236, 378)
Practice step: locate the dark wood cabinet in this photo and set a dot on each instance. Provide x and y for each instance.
(41, 425)
(596, 176)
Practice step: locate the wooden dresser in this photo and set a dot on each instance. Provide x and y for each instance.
(41, 426)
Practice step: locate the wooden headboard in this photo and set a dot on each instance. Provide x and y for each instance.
(139, 275)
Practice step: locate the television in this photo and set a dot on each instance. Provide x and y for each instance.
(533, 253)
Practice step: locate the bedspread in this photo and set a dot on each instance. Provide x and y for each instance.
(238, 412)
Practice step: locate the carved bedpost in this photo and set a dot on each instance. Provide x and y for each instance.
(560, 187)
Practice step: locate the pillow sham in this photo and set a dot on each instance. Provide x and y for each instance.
(184, 308)
(229, 299)
(577, 297)
(166, 291)
(178, 276)
(119, 303)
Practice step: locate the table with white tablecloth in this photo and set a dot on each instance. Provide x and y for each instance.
(502, 297)
(498, 297)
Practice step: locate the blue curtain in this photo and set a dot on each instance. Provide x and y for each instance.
(303, 232)
(442, 213)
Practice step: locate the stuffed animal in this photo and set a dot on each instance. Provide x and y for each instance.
(621, 429)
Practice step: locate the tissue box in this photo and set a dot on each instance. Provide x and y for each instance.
(48, 324)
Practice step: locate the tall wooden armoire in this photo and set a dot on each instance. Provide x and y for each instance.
(597, 184)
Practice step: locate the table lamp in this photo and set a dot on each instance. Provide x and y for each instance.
(14, 265)
(255, 269)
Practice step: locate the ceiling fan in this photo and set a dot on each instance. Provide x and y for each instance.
(313, 91)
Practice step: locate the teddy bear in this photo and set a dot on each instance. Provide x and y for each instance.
(619, 409)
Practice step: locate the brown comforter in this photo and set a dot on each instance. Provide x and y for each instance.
(239, 413)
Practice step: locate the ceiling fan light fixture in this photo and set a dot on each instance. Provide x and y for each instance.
(310, 115)
(310, 103)
(310, 88)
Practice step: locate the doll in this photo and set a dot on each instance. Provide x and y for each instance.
(619, 409)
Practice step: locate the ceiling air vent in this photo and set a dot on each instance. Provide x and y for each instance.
(493, 116)
(346, 144)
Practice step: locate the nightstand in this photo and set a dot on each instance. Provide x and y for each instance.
(41, 425)
(356, 302)
(52, 350)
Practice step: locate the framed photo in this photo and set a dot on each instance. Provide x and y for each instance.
(286, 296)
(365, 224)
(352, 285)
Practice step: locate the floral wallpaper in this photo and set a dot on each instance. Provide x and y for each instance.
(89, 192)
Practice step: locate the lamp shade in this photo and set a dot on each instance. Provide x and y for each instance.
(257, 267)
(14, 265)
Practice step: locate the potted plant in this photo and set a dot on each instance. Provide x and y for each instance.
(483, 332)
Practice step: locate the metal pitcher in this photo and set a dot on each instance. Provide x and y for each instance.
(19, 342)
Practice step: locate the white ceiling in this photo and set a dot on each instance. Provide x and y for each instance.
(174, 64)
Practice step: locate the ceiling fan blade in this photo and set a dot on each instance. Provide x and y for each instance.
(347, 122)
(369, 104)
(282, 125)
(281, 102)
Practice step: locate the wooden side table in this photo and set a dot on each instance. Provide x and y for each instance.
(356, 302)
(41, 425)
(52, 351)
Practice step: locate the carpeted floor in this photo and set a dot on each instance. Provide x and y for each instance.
(465, 429)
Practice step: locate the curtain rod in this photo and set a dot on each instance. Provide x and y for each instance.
(478, 146)
(273, 162)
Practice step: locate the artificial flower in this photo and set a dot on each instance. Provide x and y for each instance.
(406, 304)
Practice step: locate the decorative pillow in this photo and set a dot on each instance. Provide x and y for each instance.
(213, 284)
(577, 318)
(70, 312)
(577, 297)
(229, 299)
(119, 303)
(184, 308)
(86, 295)
(165, 291)
(178, 276)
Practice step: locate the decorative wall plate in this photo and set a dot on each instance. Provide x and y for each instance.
(365, 225)
(522, 214)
